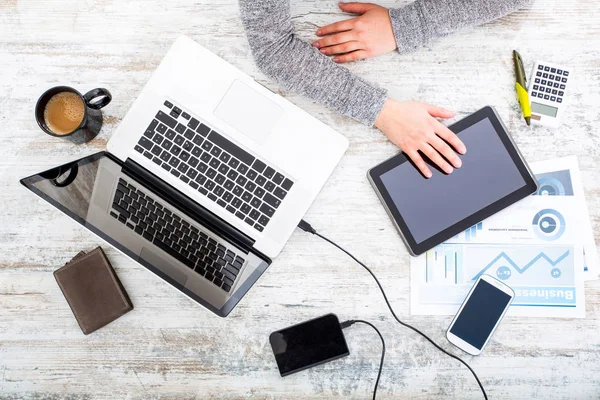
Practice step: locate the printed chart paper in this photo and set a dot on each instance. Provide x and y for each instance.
(542, 247)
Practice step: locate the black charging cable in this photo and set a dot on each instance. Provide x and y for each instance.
(306, 227)
(351, 322)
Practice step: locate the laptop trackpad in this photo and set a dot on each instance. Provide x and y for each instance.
(248, 111)
(163, 265)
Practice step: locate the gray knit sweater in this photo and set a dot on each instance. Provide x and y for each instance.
(300, 67)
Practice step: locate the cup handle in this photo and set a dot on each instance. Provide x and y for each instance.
(73, 171)
(101, 96)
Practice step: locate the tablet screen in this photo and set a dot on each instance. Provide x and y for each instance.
(429, 206)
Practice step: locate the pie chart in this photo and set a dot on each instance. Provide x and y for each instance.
(550, 187)
(549, 224)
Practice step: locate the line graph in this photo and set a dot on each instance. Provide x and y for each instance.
(456, 264)
(541, 275)
(520, 270)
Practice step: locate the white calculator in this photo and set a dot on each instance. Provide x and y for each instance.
(547, 89)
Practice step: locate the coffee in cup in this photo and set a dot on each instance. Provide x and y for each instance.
(64, 112)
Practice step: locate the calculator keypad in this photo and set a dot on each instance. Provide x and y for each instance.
(547, 82)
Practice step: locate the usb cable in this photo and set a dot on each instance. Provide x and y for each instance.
(351, 322)
(306, 227)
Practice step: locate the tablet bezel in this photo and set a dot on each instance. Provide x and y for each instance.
(529, 187)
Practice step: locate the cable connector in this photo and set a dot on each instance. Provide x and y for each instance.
(306, 227)
(348, 323)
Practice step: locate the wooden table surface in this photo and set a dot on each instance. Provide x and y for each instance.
(170, 347)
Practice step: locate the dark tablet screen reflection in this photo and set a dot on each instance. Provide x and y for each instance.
(429, 206)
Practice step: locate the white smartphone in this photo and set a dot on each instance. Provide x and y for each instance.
(480, 314)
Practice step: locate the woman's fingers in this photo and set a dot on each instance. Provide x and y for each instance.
(439, 112)
(341, 48)
(443, 148)
(419, 162)
(436, 158)
(333, 40)
(450, 137)
(336, 27)
(353, 56)
(356, 8)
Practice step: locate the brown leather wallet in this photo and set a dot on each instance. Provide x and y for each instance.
(93, 290)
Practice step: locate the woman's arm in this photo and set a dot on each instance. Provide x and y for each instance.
(301, 68)
(377, 31)
(423, 20)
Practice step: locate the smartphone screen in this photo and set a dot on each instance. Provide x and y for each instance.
(481, 312)
(308, 344)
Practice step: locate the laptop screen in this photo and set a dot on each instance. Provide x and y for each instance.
(83, 190)
(70, 187)
(86, 190)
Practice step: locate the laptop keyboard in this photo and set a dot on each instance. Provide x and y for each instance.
(167, 230)
(228, 175)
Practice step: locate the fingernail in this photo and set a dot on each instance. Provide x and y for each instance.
(449, 170)
(428, 174)
(463, 150)
(335, 59)
(318, 31)
(316, 44)
(458, 163)
(323, 51)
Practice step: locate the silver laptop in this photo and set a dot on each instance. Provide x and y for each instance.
(205, 179)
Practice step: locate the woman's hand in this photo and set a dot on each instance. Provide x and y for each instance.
(413, 127)
(367, 35)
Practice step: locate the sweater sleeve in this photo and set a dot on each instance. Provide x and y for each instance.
(298, 66)
(420, 21)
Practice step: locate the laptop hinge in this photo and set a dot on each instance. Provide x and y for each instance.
(189, 207)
